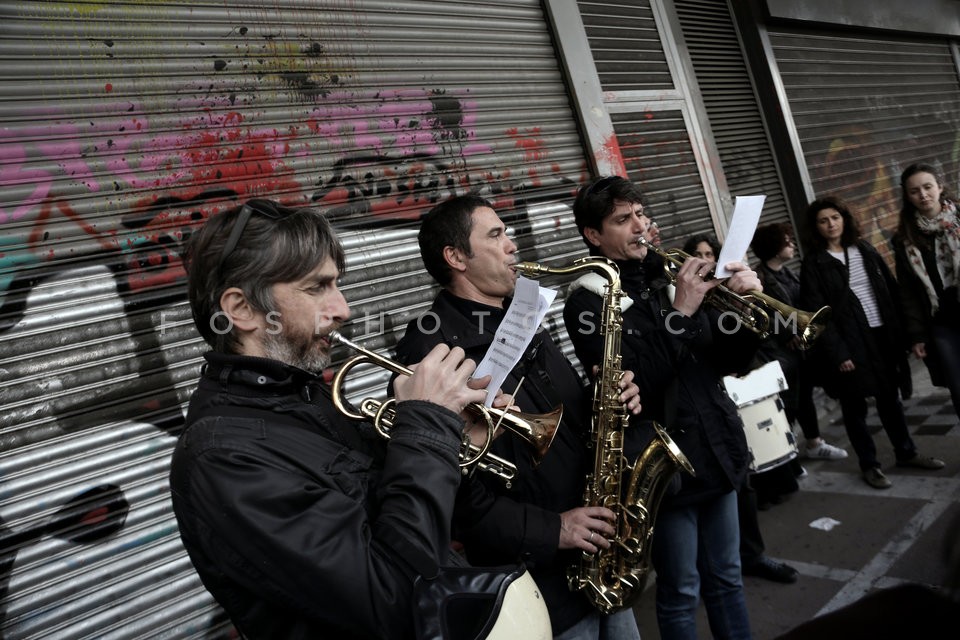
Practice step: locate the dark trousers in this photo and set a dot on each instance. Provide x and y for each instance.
(806, 408)
(853, 406)
(751, 541)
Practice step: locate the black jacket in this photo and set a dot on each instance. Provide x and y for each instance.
(917, 310)
(499, 525)
(824, 280)
(297, 519)
(778, 346)
(678, 363)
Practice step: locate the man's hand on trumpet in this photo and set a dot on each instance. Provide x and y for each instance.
(743, 280)
(443, 377)
(695, 281)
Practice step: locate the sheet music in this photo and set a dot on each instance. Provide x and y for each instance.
(526, 312)
(746, 214)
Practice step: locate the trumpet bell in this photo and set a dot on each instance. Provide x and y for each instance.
(537, 429)
(807, 325)
(813, 326)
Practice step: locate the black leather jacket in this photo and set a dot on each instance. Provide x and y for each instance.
(678, 363)
(499, 525)
(296, 519)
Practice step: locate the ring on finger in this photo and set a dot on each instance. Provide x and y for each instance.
(590, 539)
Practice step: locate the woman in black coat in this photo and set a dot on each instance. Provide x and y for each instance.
(861, 353)
(927, 251)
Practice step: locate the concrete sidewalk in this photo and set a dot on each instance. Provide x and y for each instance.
(878, 539)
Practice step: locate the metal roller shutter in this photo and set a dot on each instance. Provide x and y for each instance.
(651, 116)
(124, 125)
(865, 107)
(658, 156)
(730, 99)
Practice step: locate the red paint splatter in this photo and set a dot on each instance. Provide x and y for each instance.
(610, 156)
(532, 145)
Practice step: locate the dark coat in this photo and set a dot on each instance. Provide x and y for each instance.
(917, 310)
(778, 346)
(678, 363)
(282, 503)
(499, 525)
(824, 281)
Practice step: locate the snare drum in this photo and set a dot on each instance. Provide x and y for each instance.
(757, 395)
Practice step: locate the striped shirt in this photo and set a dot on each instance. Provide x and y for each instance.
(860, 284)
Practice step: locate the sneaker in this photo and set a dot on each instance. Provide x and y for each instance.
(921, 462)
(771, 570)
(875, 478)
(824, 451)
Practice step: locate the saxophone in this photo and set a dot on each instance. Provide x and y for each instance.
(612, 579)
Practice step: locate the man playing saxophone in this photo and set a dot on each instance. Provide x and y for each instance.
(540, 518)
(678, 350)
(300, 523)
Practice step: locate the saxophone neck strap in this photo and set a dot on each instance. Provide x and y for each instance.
(596, 283)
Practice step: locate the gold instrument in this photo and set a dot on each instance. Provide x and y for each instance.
(612, 579)
(754, 308)
(537, 430)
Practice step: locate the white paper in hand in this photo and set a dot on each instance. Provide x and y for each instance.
(526, 312)
(746, 214)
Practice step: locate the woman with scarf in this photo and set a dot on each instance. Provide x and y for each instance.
(927, 250)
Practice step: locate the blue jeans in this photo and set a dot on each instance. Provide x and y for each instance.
(621, 625)
(947, 343)
(696, 551)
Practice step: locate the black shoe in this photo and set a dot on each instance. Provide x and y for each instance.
(771, 570)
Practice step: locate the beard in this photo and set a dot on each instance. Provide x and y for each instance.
(301, 351)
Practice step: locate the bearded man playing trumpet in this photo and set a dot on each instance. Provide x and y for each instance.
(678, 349)
(300, 523)
(538, 518)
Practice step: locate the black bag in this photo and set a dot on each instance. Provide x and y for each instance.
(461, 603)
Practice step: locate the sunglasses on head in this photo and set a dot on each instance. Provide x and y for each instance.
(264, 208)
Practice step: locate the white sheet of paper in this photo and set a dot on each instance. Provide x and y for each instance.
(530, 304)
(746, 214)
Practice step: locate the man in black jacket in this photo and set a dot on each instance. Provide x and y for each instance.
(679, 350)
(299, 523)
(465, 247)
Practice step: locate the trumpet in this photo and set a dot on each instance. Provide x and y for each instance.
(755, 309)
(538, 430)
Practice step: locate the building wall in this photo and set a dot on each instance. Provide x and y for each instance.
(125, 125)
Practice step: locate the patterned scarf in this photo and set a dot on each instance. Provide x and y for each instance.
(946, 245)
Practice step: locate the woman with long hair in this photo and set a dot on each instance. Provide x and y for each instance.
(927, 251)
(862, 352)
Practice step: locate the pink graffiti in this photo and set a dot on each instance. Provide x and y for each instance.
(12, 172)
